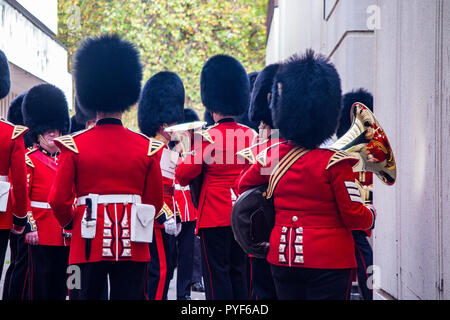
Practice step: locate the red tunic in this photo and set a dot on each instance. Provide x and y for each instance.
(317, 204)
(215, 155)
(41, 175)
(184, 202)
(12, 164)
(106, 160)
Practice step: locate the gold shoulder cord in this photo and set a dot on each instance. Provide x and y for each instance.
(278, 172)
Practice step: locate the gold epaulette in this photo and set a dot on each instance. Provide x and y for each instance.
(28, 161)
(338, 156)
(247, 154)
(154, 146)
(68, 142)
(18, 130)
(205, 133)
(262, 156)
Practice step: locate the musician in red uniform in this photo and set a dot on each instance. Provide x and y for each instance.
(363, 249)
(12, 171)
(225, 93)
(262, 286)
(161, 105)
(46, 114)
(316, 200)
(185, 240)
(15, 277)
(116, 180)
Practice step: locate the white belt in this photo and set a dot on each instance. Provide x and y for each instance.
(180, 188)
(40, 205)
(4, 178)
(112, 198)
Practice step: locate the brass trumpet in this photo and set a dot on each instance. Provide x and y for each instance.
(367, 141)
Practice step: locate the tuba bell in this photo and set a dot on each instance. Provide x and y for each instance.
(367, 141)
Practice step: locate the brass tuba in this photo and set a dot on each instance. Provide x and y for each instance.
(367, 141)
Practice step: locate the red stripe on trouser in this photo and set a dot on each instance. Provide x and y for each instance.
(349, 285)
(207, 265)
(363, 262)
(162, 264)
(25, 283)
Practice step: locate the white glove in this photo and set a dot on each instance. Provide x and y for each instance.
(177, 232)
(170, 226)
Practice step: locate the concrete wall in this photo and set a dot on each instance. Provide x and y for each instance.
(412, 101)
(45, 10)
(33, 52)
(400, 51)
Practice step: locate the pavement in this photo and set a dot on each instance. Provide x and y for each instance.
(171, 295)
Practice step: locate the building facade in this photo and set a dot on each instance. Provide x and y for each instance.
(28, 31)
(399, 50)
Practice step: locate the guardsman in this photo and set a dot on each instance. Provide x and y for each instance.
(185, 240)
(116, 180)
(12, 171)
(363, 249)
(15, 277)
(262, 287)
(316, 200)
(161, 105)
(46, 114)
(225, 93)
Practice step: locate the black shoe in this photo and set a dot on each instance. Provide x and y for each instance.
(184, 298)
(198, 287)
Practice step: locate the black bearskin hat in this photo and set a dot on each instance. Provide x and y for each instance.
(306, 99)
(15, 110)
(5, 81)
(259, 104)
(161, 102)
(208, 118)
(244, 118)
(190, 115)
(45, 108)
(107, 74)
(224, 86)
(359, 95)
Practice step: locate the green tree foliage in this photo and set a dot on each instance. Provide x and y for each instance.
(175, 35)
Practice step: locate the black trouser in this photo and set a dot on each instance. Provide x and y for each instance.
(185, 259)
(263, 287)
(224, 265)
(364, 259)
(4, 237)
(48, 272)
(197, 268)
(293, 283)
(161, 267)
(14, 287)
(126, 280)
